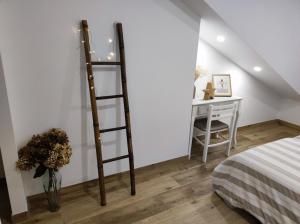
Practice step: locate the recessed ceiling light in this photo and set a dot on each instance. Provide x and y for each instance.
(257, 68)
(220, 38)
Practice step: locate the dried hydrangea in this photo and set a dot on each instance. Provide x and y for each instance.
(24, 164)
(58, 156)
(51, 150)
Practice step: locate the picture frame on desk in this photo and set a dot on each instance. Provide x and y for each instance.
(222, 85)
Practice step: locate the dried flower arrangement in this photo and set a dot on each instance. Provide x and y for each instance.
(50, 150)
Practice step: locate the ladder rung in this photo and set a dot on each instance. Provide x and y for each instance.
(112, 129)
(109, 97)
(116, 158)
(106, 63)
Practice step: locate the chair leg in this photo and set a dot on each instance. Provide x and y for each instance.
(230, 143)
(191, 137)
(205, 154)
(205, 150)
(228, 148)
(190, 151)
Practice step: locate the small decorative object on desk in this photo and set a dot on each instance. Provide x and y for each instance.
(222, 84)
(201, 78)
(209, 92)
(48, 151)
(197, 75)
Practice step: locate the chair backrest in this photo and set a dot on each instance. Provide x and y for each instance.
(227, 111)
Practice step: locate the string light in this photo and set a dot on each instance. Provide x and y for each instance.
(93, 52)
(92, 44)
(92, 87)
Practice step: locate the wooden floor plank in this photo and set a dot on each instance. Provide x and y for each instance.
(175, 191)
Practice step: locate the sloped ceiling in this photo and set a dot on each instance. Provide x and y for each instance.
(271, 28)
(240, 50)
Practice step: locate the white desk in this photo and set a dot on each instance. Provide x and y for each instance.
(200, 109)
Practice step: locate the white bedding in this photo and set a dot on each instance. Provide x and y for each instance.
(264, 181)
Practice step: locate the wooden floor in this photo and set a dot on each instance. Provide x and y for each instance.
(176, 191)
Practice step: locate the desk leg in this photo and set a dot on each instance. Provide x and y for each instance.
(191, 136)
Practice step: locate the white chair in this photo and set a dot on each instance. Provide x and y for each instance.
(212, 124)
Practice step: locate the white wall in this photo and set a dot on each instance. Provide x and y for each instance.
(9, 150)
(46, 78)
(259, 103)
(289, 111)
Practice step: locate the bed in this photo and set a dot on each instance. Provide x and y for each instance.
(265, 181)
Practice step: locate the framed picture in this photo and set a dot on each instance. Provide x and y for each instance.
(222, 84)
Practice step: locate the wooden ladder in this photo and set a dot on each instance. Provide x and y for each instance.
(94, 98)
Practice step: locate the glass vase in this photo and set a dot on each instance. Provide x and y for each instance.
(52, 184)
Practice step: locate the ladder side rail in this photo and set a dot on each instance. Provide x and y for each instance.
(126, 106)
(85, 32)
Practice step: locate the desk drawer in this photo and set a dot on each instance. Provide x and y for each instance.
(200, 111)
